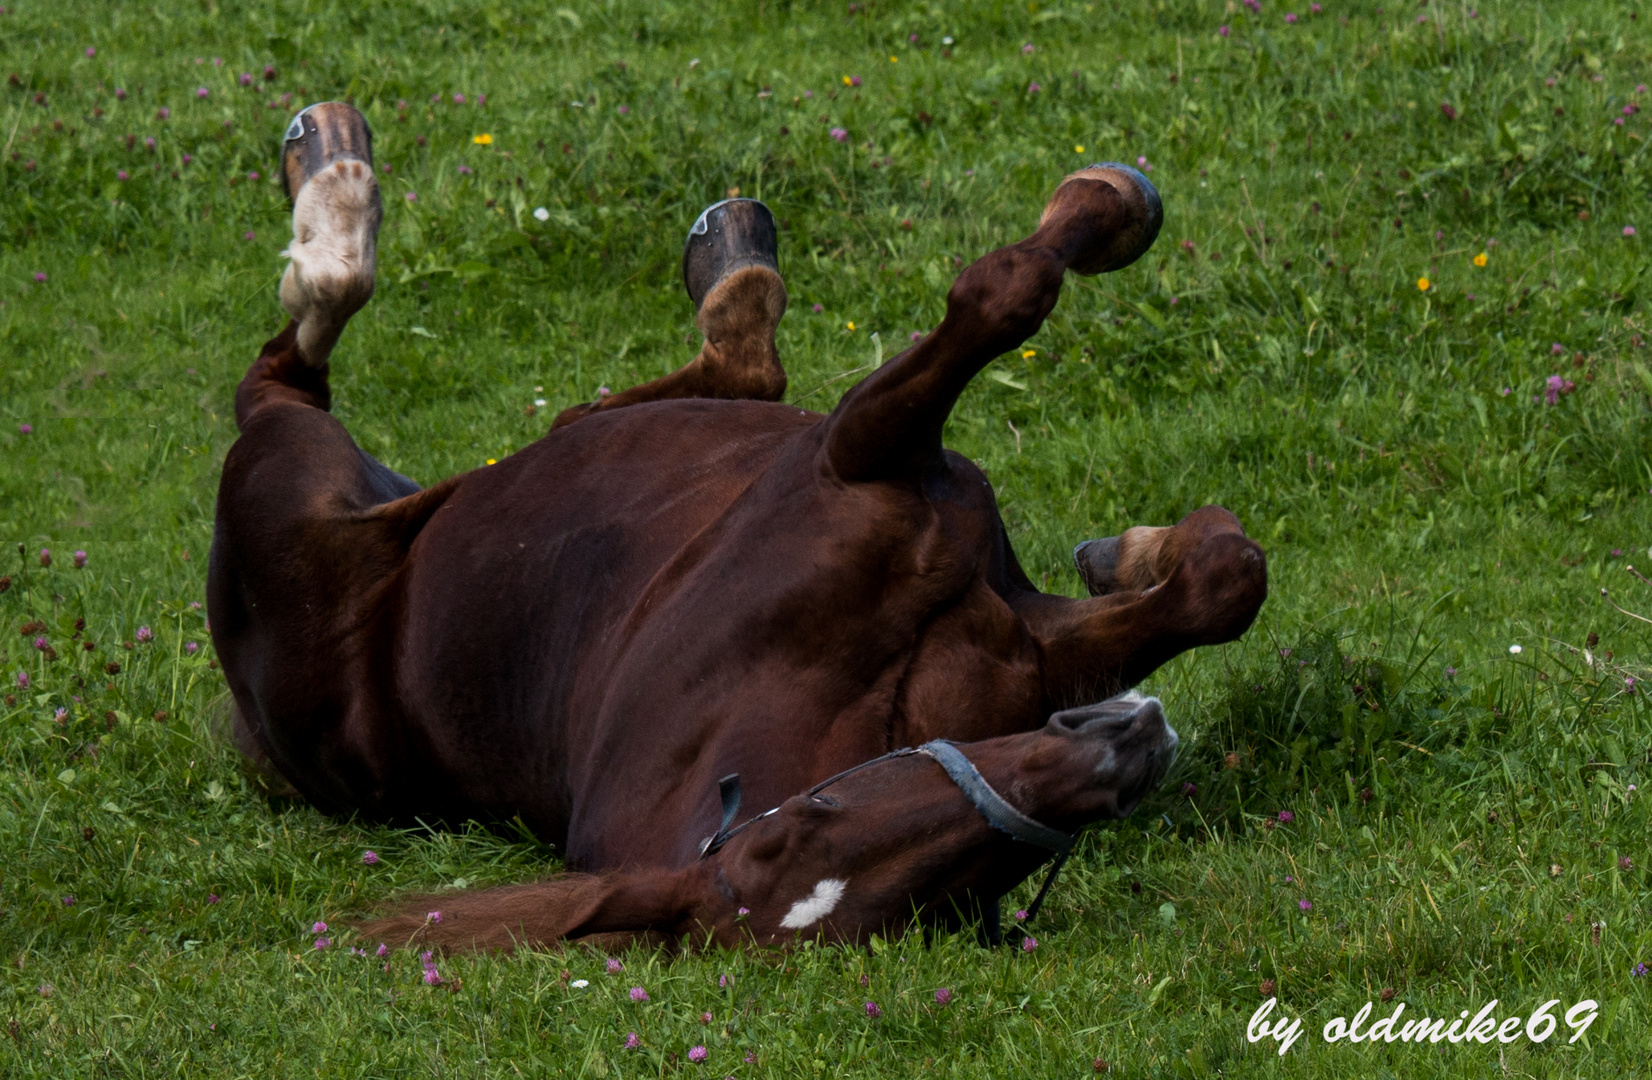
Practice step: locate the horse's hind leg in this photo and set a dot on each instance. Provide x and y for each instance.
(327, 168)
(732, 274)
(310, 531)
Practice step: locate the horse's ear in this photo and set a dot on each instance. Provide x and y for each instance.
(538, 915)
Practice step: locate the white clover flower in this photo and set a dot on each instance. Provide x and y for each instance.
(1515, 649)
(541, 213)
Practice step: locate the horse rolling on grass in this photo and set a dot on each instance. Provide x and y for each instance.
(689, 580)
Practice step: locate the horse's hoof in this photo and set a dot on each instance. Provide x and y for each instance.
(319, 135)
(728, 237)
(1098, 563)
(1130, 237)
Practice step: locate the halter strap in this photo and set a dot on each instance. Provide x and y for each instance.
(993, 806)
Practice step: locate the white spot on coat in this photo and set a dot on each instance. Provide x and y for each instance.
(816, 906)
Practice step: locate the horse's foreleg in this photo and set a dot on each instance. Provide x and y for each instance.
(1158, 593)
(889, 425)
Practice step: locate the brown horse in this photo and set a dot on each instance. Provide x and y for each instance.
(684, 580)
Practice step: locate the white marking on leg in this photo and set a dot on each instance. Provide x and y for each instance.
(816, 906)
(334, 253)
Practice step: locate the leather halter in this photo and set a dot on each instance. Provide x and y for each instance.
(992, 806)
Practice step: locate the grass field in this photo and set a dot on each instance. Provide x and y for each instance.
(1385, 793)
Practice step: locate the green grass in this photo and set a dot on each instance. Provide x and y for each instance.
(1459, 836)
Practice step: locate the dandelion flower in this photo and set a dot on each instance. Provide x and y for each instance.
(1481, 259)
(1422, 284)
(483, 139)
(1078, 149)
(1028, 354)
(851, 325)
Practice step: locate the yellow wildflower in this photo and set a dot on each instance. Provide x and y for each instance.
(483, 139)
(491, 461)
(1029, 354)
(1078, 149)
(1480, 259)
(894, 59)
(846, 80)
(1422, 284)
